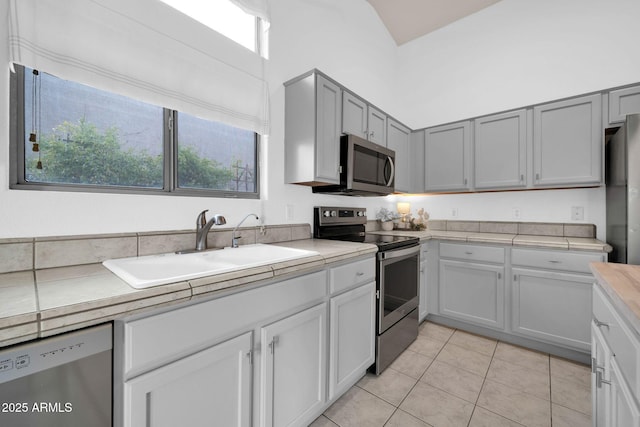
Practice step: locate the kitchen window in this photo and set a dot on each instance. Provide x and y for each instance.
(67, 136)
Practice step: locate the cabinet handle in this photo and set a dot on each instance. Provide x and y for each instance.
(273, 343)
(422, 270)
(594, 365)
(359, 273)
(600, 324)
(468, 253)
(465, 181)
(521, 177)
(371, 134)
(537, 177)
(599, 375)
(515, 277)
(499, 275)
(553, 261)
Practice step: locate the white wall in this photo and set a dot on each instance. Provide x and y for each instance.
(343, 39)
(514, 53)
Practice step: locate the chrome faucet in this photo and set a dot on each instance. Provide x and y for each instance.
(234, 239)
(203, 226)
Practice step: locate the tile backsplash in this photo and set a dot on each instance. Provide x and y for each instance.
(48, 252)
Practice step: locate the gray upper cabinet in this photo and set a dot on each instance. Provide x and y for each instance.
(354, 115)
(363, 120)
(377, 121)
(398, 137)
(313, 117)
(447, 157)
(500, 151)
(568, 143)
(623, 102)
(416, 161)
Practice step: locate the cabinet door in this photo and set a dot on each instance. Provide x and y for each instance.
(623, 102)
(624, 409)
(329, 115)
(352, 343)
(568, 142)
(209, 387)
(446, 157)
(416, 165)
(354, 115)
(377, 126)
(500, 144)
(552, 306)
(398, 141)
(600, 395)
(293, 368)
(472, 292)
(423, 292)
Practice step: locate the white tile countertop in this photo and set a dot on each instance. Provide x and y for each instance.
(551, 242)
(49, 301)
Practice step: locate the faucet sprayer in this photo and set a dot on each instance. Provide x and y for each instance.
(234, 239)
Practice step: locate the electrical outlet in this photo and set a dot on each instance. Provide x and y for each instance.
(516, 213)
(454, 212)
(577, 213)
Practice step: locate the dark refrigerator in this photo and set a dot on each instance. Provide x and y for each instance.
(622, 178)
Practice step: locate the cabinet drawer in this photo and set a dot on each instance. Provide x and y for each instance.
(472, 252)
(624, 345)
(159, 339)
(555, 260)
(349, 275)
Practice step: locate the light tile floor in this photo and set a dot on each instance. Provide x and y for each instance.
(449, 377)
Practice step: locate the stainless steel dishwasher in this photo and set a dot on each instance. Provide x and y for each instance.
(64, 380)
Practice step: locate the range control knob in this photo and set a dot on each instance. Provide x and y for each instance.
(334, 213)
(360, 213)
(326, 213)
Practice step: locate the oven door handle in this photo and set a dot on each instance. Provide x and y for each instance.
(397, 253)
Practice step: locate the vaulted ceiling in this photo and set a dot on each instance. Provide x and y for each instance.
(410, 19)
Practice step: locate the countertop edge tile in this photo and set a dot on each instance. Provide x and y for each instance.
(107, 313)
(621, 283)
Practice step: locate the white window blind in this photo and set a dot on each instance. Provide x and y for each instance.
(146, 50)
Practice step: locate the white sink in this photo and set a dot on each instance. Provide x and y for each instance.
(152, 270)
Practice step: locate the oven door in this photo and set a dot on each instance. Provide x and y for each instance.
(398, 284)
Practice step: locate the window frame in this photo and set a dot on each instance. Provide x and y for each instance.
(170, 157)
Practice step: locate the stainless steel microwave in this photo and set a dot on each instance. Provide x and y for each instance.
(366, 169)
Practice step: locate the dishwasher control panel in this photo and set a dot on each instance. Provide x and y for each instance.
(42, 354)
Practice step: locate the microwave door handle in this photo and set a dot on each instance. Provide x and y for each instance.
(393, 171)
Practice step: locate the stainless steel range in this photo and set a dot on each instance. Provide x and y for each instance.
(397, 278)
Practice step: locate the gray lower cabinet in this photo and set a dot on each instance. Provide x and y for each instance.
(471, 284)
(214, 383)
(472, 292)
(615, 375)
(276, 355)
(500, 151)
(447, 157)
(551, 295)
(398, 139)
(622, 102)
(568, 142)
(552, 306)
(424, 301)
(352, 343)
(293, 353)
(313, 118)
